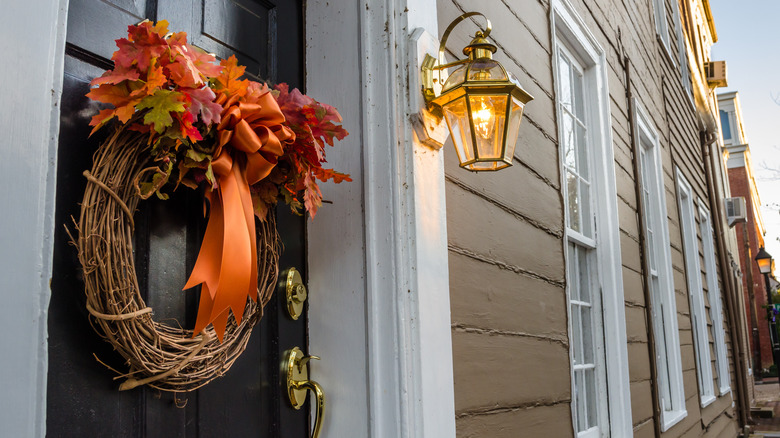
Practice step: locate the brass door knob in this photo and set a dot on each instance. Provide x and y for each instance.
(298, 383)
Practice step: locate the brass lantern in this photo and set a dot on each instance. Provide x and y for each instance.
(481, 102)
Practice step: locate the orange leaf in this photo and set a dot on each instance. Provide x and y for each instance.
(116, 76)
(116, 95)
(155, 78)
(228, 81)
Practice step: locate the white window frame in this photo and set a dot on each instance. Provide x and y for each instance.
(713, 292)
(662, 27)
(701, 340)
(663, 302)
(570, 29)
(685, 70)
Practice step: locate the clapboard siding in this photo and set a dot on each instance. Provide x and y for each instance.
(506, 230)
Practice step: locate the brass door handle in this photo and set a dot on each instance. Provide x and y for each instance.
(298, 385)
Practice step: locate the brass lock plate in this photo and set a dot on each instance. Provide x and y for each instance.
(295, 293)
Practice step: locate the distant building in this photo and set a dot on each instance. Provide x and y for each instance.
(750, 234)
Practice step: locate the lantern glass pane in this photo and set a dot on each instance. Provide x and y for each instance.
(764, 265)
(456, 78)
(486, 165)
(486, 70)
(458, 121)
(515, 115)
(488, 115)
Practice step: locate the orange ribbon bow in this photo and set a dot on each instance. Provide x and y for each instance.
(250, 137)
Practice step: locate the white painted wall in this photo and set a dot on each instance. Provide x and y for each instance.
(32, 43)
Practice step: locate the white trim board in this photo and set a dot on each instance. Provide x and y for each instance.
(33, 31)
(569, 26)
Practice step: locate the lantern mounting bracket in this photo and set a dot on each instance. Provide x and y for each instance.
(479, 45)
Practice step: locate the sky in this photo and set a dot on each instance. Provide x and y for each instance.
(749, 42)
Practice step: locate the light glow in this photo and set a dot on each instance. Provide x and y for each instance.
(484, 118)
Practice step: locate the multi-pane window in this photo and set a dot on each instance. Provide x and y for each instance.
(600, 396)
(659, 273)
(688, 225)
(682, 53)
(587, 338)
(661, 24)
(713, 292)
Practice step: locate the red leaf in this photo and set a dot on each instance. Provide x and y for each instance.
(187, 130)
(144, 44)
(206, 63)
(326, 174)
(202, 102)
(312, 197)
(101, 119)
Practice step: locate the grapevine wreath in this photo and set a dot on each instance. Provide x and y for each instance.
(180, 118)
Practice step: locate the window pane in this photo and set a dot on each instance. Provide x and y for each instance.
(586, 218)
(587, 334)
(582, 150)
(576, 334)
(725, 125)
(579, 98)
(574, 273)
(581, 400)
(584, 275)
(573, 200)
(564, 78)
(590, 385)
(569, 147)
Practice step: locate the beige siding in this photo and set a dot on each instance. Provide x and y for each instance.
(508, 300)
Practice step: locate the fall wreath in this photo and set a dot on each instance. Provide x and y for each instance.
(180, 118)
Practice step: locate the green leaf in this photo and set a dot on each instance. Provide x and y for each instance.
(160, 105)
(210, 176)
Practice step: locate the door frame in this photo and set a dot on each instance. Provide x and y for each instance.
(377, 256)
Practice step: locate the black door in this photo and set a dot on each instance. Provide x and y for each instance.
(83, 400)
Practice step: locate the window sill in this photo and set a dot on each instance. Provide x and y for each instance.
(723, 391)
(706, 401)
(669, 419)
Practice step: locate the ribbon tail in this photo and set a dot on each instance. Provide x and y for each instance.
(206, 269)
(204, 311)
(238, 267)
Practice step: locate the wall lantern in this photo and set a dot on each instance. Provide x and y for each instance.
(764, 261)
(481, 102)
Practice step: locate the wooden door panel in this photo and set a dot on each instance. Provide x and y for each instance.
(248, 400)
(94, 25)
(251, 36)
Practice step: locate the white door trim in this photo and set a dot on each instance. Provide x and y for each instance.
(33, 33)
(379, 283)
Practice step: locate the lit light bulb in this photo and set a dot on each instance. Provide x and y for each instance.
(483, 118)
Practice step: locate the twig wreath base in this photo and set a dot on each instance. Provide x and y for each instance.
(158, 355)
